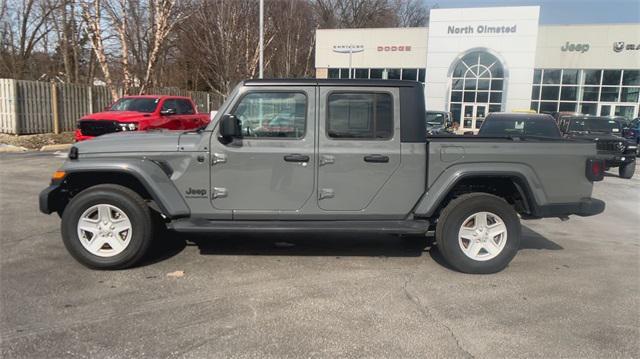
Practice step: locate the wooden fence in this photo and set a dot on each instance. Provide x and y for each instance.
(29, 107)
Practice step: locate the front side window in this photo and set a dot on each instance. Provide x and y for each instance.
(272, 115)
(360, 116)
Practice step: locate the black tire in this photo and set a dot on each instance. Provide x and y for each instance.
(627, 170)
(451, 220)
(124, 199)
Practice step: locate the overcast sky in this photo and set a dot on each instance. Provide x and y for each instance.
(564, 11)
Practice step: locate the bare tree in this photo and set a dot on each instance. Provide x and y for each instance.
(92, 15)
(411, 13)
(355, 13)
(69, 38)
(25, 24)
(117, 10)
(164, 17)
(226, 47)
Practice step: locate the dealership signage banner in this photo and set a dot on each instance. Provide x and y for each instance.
(571, 47)
(482, 29)
(346, 49)
(620, 46)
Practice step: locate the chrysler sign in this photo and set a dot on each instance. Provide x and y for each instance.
(348, 49)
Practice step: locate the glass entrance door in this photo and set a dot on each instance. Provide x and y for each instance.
(617, 109)
(472, 116)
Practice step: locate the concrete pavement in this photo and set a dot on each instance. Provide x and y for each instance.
(573, 290)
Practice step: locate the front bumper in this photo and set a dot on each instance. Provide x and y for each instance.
(616, 160)
(584, 208)
(49, 199)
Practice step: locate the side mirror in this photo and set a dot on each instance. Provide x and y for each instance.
(230, 128)
(107, 108)
(169, 111)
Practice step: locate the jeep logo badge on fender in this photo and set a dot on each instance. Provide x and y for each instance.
(196, 193)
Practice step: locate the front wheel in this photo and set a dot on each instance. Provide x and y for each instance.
(627, 170)
(107, 227)
(478, 233)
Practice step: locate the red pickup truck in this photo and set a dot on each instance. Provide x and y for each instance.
(141, 113)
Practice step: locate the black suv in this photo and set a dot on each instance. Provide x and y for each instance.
(519, 125)
(438, 122)
(606, 132)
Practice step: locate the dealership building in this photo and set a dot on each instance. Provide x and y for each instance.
(479, 60)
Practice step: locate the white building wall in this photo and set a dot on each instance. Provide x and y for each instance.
(516, 49)
(588, 47)
(381, 47)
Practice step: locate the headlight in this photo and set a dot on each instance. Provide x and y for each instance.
(128, 126)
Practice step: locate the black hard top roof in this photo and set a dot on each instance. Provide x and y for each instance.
(520, 116)
(599, 118)
(331, 82)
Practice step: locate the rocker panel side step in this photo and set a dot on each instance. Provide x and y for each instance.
(204, 226)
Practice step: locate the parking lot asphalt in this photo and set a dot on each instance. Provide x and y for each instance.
(573, 290)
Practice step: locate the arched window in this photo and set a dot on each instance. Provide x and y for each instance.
(477, 83)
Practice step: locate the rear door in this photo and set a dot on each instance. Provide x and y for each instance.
(187, 113)
(170, 122)
(359, 145)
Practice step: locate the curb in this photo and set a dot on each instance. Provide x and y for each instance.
(4, 148)
(59, 147)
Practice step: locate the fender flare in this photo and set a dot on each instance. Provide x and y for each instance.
(149, 173)
(527, 182)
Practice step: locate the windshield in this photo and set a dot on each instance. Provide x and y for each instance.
(435, 118)
(519, 127)
(594, 125)
(147, 105)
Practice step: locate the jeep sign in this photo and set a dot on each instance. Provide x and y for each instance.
(569, 47)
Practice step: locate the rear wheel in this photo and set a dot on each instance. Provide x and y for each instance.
(107, 227)
(627, 170)
(478, 233)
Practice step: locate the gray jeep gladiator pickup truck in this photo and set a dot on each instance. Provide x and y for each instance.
(318, 156)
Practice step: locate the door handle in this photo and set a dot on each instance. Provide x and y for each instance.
(326, 159)
(376, 158)
(296, 158)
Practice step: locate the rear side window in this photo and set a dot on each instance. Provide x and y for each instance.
(518, 127)
(366, 116)
(169, 104)
(184, 107)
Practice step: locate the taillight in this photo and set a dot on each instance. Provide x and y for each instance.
(595, 169)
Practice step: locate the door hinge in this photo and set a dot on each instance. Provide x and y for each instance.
(218, 158)
(325, 193)
(326, 159)
(219, 192)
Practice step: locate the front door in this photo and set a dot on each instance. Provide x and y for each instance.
(271, 168)
(617, 109)
(472, 116)
(359, 146)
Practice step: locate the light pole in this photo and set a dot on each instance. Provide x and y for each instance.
(261, 71)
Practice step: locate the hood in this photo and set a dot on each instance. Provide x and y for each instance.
(135, 141)
(117, 116)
